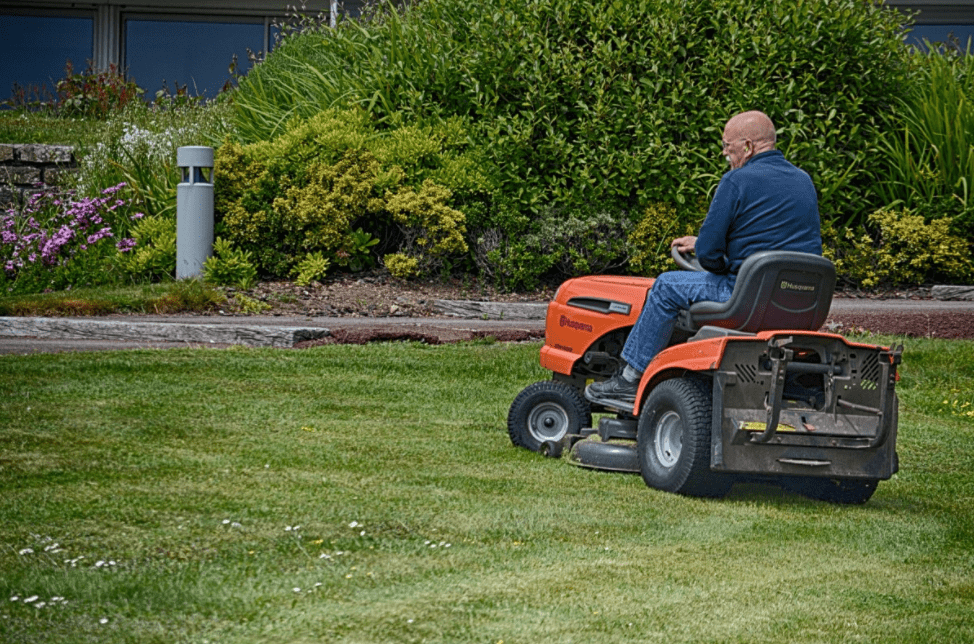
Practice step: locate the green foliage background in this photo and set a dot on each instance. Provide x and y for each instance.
(550, 138)
(604, 107)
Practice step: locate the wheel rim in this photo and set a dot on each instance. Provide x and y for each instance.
(669, 439)
(548, 422)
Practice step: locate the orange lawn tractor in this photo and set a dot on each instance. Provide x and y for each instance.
(746, 389)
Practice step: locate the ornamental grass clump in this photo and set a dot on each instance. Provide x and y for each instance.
(56, 242)
(928, 142)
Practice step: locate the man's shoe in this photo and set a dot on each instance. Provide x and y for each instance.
(614, 392)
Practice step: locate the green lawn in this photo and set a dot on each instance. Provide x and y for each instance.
(371, 494)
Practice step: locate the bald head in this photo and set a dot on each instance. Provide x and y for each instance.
(747, 134)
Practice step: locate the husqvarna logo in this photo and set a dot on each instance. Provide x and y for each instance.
(792, 286)
(572, 324)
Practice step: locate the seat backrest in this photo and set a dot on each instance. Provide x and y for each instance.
(774, 290)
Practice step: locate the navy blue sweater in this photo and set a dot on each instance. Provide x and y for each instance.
(768, 204)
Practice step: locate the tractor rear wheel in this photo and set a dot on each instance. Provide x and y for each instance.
(674, 440)
(546, 411)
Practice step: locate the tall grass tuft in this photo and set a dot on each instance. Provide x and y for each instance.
(930, 142)
(393, 64)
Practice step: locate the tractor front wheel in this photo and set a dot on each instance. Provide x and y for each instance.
(546, 412)
(674, 440)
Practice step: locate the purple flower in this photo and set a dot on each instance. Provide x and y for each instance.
(113, 189)
(53, 229)
(100, 235)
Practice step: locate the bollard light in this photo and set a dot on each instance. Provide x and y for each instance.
(194, 210)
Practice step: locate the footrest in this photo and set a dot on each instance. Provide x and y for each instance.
(610, 428)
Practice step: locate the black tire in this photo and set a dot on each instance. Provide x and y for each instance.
(674, 440)
(845, 491)
(546, 411)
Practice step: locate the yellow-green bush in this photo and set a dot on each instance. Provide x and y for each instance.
(431, 230)
(317, 213)
(332, 180)
(154, 256)
(650, 240)
(313, 267)
(229, 266)
(899, 248)
(401, 266)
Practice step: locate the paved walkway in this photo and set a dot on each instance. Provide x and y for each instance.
(33, 335)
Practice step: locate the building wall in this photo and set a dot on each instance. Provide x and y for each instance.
(181, 42)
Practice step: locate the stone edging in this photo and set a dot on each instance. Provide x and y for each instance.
(254, 336)
(30, 167)
(962, 293)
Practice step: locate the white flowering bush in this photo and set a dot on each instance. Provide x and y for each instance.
(139, 147)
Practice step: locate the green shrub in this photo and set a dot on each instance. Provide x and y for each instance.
(154, 255)
(334, 185)
(313, 267)
(900, 249)
(585, 242)
(431, 230)
(618, 104)
(356, 253)
(650, 240)
(401, 266)
(511, 261)
(229, 266)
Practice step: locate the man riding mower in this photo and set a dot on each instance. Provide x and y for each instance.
(720, 374)
(746, 390)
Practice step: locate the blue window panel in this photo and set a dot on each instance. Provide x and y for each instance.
(963, 34)
(34, 50)
(195, 54)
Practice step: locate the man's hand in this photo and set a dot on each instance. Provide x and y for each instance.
(684, 244)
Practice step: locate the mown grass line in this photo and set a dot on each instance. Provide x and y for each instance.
(370, 494)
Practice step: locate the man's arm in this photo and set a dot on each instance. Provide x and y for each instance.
(711, 245)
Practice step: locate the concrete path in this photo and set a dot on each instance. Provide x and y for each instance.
(42, 335)
(33, 335)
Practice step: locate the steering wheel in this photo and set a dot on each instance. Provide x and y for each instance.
(686, 262)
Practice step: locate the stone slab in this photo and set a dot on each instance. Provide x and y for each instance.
(491, 310)
(962, 293)
(20, 174)
(69, 328)
(37, 153)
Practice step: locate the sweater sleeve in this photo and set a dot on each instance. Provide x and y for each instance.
(711, 247)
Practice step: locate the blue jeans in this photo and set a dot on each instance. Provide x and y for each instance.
(671, 293)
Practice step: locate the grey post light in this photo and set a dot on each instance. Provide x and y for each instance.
(194, 210)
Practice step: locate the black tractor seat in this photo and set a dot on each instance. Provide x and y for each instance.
(774, 290)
